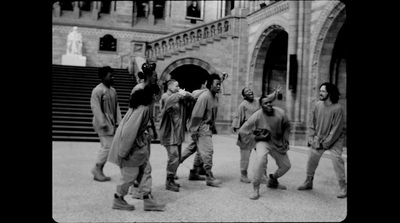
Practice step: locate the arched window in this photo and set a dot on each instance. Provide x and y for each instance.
(105, 7)
(108, 43)
(159, 6)
(66, 5)
(85, 5)
(142, 8)
(229, 5)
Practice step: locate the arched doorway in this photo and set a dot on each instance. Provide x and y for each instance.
(274, 72)
(269, 63)
(189, 76)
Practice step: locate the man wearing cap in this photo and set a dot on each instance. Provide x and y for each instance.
(270, 128)
(246, 108)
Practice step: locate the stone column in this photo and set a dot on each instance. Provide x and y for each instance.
(95, 10)
(167, 13)
(123, 13)
(252, 6)
(305, 68)
(77, 10)
(246, 4)
(151, 13)
(228, 7)
(134, 13)
(292, 50)
(238, 76)
(57, 9)
(113, 11)
(297, 97)
(238, 4)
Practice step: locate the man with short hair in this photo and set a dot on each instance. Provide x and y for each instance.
(202, 126)
(245, 109)
(106, 117)
(271, 128)
(172, 128)
(326, 133)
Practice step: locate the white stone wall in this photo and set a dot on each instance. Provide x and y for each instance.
(91, 39)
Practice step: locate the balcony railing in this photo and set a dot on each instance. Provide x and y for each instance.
(177, 40)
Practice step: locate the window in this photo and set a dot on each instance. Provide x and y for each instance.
(85, 5)
(66, 6)
(108, 43)
(159, 6)
(105, 7)
(142, 8)
(229, 5)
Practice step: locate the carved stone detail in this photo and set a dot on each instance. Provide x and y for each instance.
(325, 21)
(274, 9)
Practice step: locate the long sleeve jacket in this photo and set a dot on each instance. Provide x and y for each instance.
(277, 124)
(243, 113)
(204, 114)
(130, 143)
(105, 109)
(173, 118)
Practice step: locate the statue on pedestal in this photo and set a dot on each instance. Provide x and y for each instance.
(74, 42)
(74, 50)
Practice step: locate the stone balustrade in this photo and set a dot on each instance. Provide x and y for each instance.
(175, 41)
(271, 10)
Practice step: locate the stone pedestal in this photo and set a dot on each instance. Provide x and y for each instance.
(73, 60)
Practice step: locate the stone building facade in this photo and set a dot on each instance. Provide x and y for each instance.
(297, 44)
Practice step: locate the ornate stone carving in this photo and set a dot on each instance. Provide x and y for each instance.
(325, 21)
(274, 9)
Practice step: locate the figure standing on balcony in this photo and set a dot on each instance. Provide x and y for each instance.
(193, 10)
(326, 133)
(74, 42)
(145, 6)
(106, 117)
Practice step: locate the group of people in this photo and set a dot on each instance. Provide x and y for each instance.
(260, 126)
(266, 128)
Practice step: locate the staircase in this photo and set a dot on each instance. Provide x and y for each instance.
(71, 91)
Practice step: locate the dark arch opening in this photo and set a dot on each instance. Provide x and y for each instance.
(190, 77)
(275, 66)
(339, 55)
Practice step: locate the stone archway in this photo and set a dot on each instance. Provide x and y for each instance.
(190, 77)
(165, 75)
(328, 62)
(268, 64)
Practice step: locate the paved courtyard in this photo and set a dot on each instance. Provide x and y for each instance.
(78, 198)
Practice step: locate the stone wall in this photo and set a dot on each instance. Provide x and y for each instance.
(237, 54)
(91, 39)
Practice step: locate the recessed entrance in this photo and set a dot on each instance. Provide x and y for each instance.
(190, 77)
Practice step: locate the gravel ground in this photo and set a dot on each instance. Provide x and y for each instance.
(78, 198)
